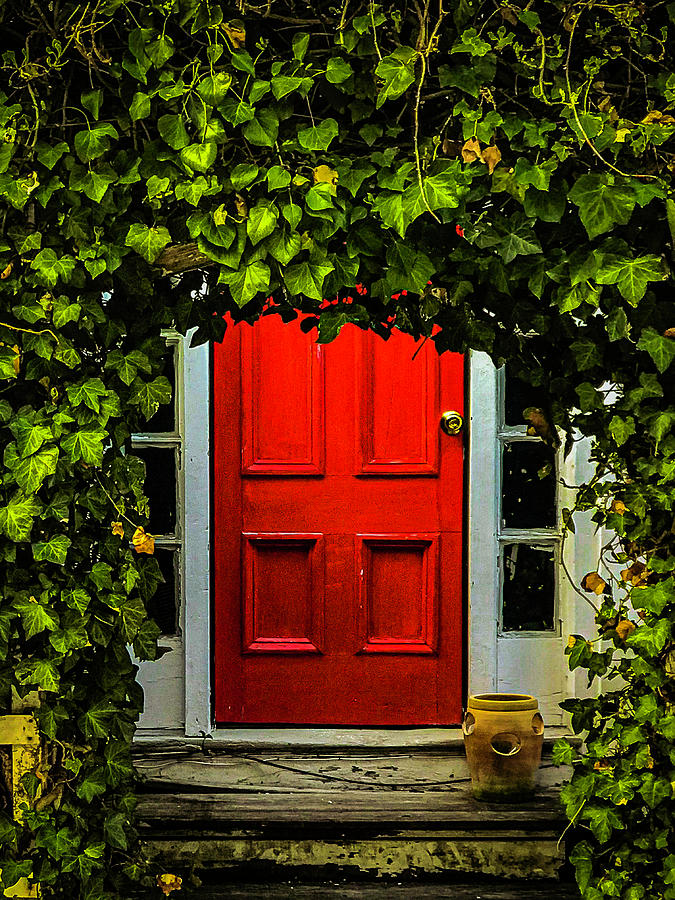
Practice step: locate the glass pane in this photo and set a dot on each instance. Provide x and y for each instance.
(518, 396)
(165, 418)
(528, 485)
(528, 592)
(160, 487)
(163, 607)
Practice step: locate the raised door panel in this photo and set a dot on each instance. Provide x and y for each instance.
(283, 593)
(282, 386)
(398, 592)
(399, 390)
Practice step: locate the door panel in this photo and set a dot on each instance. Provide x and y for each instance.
(337, 529)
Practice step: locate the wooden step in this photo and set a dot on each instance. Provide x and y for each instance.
(382, 833)
(361, 891)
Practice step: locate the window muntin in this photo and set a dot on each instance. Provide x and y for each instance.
(161, 449)
(529, 537)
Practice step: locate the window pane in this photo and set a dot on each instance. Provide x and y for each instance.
(160, 487)
(165, 417)
(528, 579)
(163, 607)
(528, 500)
(518, 396)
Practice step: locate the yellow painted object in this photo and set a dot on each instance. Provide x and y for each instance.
(20, 732)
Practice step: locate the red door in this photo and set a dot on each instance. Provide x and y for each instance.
(338, 519)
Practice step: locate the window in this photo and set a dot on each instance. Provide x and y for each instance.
(529, 539)
(161, 449)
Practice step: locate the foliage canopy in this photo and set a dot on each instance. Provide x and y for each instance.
(500, 172)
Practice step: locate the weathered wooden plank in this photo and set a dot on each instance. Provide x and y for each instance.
(378, 809)
(361, 891)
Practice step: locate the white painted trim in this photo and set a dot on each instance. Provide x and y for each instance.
(482, 524)
(196, 616)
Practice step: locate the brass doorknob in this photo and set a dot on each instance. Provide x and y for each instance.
(451, 422)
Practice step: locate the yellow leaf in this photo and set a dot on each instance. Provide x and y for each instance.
(220, 215)
(143, 543)
(621, 134)
(540, 425)
(625, 628)
(118, 529)
(491, 156)
(618, 507)
(325, 174)
(236, 31)
(16, 362)
(168, 883)
(593, 583)
(241, 205)
(471, 151)
(636, 575)
(571, 641)
(7, 271)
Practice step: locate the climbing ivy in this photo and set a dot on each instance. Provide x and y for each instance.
(491, 175)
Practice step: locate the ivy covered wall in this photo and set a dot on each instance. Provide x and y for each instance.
(501, 171)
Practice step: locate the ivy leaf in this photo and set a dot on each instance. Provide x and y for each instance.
(114, 830)
(338, 70)
(40, 672)
(140, 106)
(631, 275)
(661, 349)
(85, 445)
(52, 268)
(16, 519)
(617, 325)
(603, 202)
(160, 50)
(520, 240)
(35, 617)
(586, 355)
(307, 278)
(648, 641)
(147, 242)
(282, 85)
(213, 88)
(54, 550)
(88, 392)
(148, 395)
(284, 247)
(318, 137)
(94, 142)
(199, 157)
(247, 282)
(396, 73)
(243, 174)
(602, 820)
(31, 472)
(92, 786)
(262, 220)
(172, 130)
(262, 131)
(621, 429)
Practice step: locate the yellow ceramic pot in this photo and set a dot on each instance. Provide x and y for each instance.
(503, 736)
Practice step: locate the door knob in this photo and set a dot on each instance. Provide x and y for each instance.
(451, 422)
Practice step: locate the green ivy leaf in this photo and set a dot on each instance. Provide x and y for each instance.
(262, 220)
(603, 202)
(31, 472)
(172, 130)
(396, 73)
(88, 393)
(35, 617)
(85, 445)
(54, 550)
(661, 349)
(213, 88)
(148, 395)
(147, 242)
(263, 130)
(140, 106)
(338, 70)
(307, 278)
(94, 142)
(648, 641)
(16, 519)
(284, 247)
(318, 137)
(92, 786)
(621, 429)
(278, 177)
(631, 275)
(199, 157)
(245, 283)
(52, 268)
(243, 175)
(40, 672)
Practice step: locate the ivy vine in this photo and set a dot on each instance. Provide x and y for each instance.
(490, 175)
